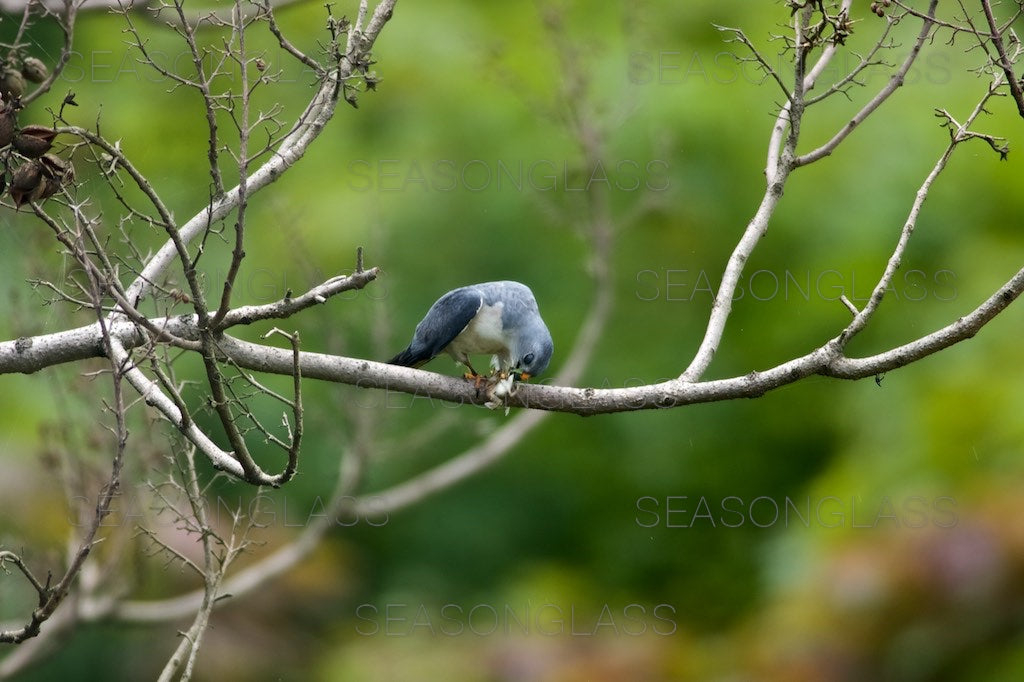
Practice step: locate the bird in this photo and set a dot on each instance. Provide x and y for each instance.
(500, 319)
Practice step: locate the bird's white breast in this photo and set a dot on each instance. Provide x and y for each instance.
(483, 335)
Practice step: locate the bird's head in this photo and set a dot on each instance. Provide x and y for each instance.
(535, 349)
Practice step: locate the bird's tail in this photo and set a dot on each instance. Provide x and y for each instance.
(409, 358)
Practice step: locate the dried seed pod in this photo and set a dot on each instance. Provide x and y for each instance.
(34, 140)
(6, 127)
(26, 176)
(34, 70)
(12, 83)
(45, 189)
(57, 169)
(25, 181)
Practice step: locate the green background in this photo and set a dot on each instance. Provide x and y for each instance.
(828, 530)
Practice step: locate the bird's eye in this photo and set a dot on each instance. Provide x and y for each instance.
(528, 359)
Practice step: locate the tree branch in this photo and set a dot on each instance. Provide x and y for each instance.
(51, 597)
(1005, 62)
(894, 83)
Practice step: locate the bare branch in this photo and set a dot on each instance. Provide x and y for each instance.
(295, 434)
(243, 160)
(202, 83)
(287, 45)
(895, 81)
(307, 128)
(769, 71)
(958, 134)
(288, 306)
(866, 61)
(51, 596)
(67, 13)
(1005, 61)
(782, 159)
(317, 113)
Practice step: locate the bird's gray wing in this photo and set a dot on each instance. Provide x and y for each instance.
(445, 320)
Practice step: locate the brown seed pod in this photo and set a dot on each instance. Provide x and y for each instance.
(58, 171)
(6, 126)
(57, 168)
(34, 140)
(45, 189)
(25, 181)
(12, 84)
(34, 70)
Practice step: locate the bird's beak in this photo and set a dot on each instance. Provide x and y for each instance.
(524, 376)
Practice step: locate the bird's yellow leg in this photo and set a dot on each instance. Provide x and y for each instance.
(472, 375)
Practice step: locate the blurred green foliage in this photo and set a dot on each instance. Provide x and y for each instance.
(908, 560)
